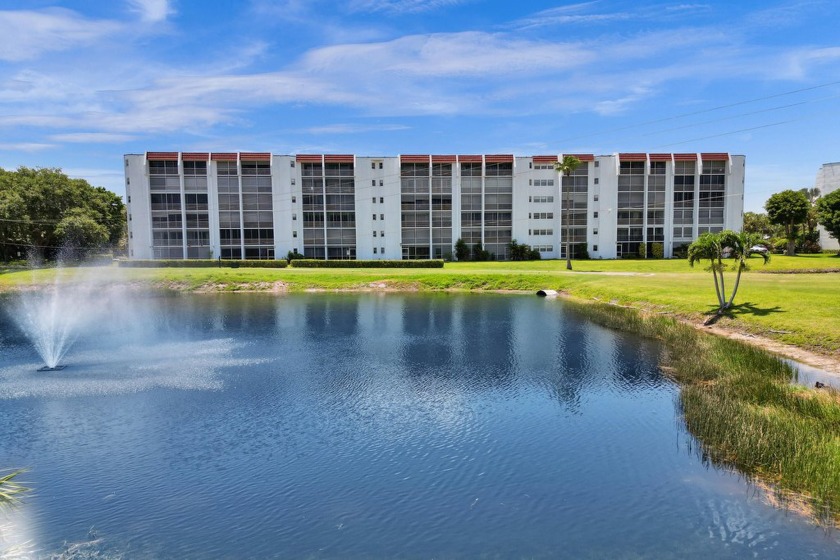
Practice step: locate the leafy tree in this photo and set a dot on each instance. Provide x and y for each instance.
(790, 209)
(828, 213)
(462, 250)
(42, 209)
(809, 241)
(479, 253)
(566, 167)
(80, 233)
(759, 223)
(713, 247)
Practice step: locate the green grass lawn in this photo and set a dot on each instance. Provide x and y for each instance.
(800, 308)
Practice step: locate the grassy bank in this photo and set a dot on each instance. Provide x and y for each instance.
(798, 308)
(738, 402)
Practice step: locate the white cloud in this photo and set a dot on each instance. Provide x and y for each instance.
(354, 128)
(91, 137)
(26, 146)
(26, 34)
(401, 6)
(151, 11)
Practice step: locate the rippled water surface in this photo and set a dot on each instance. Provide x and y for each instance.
(367, 426)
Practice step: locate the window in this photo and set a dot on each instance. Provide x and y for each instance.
(294, 233)
(596, 196)
(596, 163)
(373, 166)
(380, 165)
(129, 199)
(594, 247)
(294, 216)
(292, 163)
(381, 234)
(596, 180)
(381, 199)
(381, 182)
(374, 216)
(374, 250)
(293, 180)
(595, 214)
(595, 231)
(373, 182)
(381, 216)
(374, 234)
(382, 250)
(374, 200)
(294, 199)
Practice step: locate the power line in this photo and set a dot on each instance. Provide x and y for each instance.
(700, 112)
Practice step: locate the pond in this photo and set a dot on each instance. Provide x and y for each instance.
(366, 426)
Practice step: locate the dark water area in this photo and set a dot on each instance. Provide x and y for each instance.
(366, 426)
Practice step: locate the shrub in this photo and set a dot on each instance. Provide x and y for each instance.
(657, 250)
(462, 250)
(201, 263)
(317, 263)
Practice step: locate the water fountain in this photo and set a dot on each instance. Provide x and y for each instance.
(53, 318)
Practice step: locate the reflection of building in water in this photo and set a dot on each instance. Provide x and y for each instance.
(262, 206)
(828, 180)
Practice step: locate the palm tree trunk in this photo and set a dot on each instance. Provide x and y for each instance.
(568, 242)
(737, 281)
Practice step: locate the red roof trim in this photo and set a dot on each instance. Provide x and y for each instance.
(583, 157)
(223, 156)
(713, 156)
(632, 157)
(308, 158)
(685, 157)
(167, 156)
(498, 158)
(195, 156)
(470, 159)
(545, 159)
(444, 159)
(414, 158)
(339, 158)
(660, 157)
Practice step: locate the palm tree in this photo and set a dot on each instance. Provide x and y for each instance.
(566, 167)
(11, 490)
(714, 247)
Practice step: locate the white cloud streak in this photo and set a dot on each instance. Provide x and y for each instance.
(151, 11)
(27, 34)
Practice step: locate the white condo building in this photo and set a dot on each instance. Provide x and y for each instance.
(828, 180)
(327, 206)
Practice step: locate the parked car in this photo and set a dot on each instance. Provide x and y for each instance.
(760, 249)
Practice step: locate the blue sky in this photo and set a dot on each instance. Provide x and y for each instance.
(82, 83)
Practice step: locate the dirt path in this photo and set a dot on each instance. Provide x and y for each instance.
(819, 361)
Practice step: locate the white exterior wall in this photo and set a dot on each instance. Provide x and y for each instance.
(377, 191)
(288, 215)
(828, 180)
(138, 208)
(734, 208)
(607, 173)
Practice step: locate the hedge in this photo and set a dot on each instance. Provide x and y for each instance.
(316, 263)
(202, 263)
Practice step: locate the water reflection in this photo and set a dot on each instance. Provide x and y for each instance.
(346, 426)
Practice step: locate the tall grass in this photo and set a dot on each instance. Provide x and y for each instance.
(738, 402)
